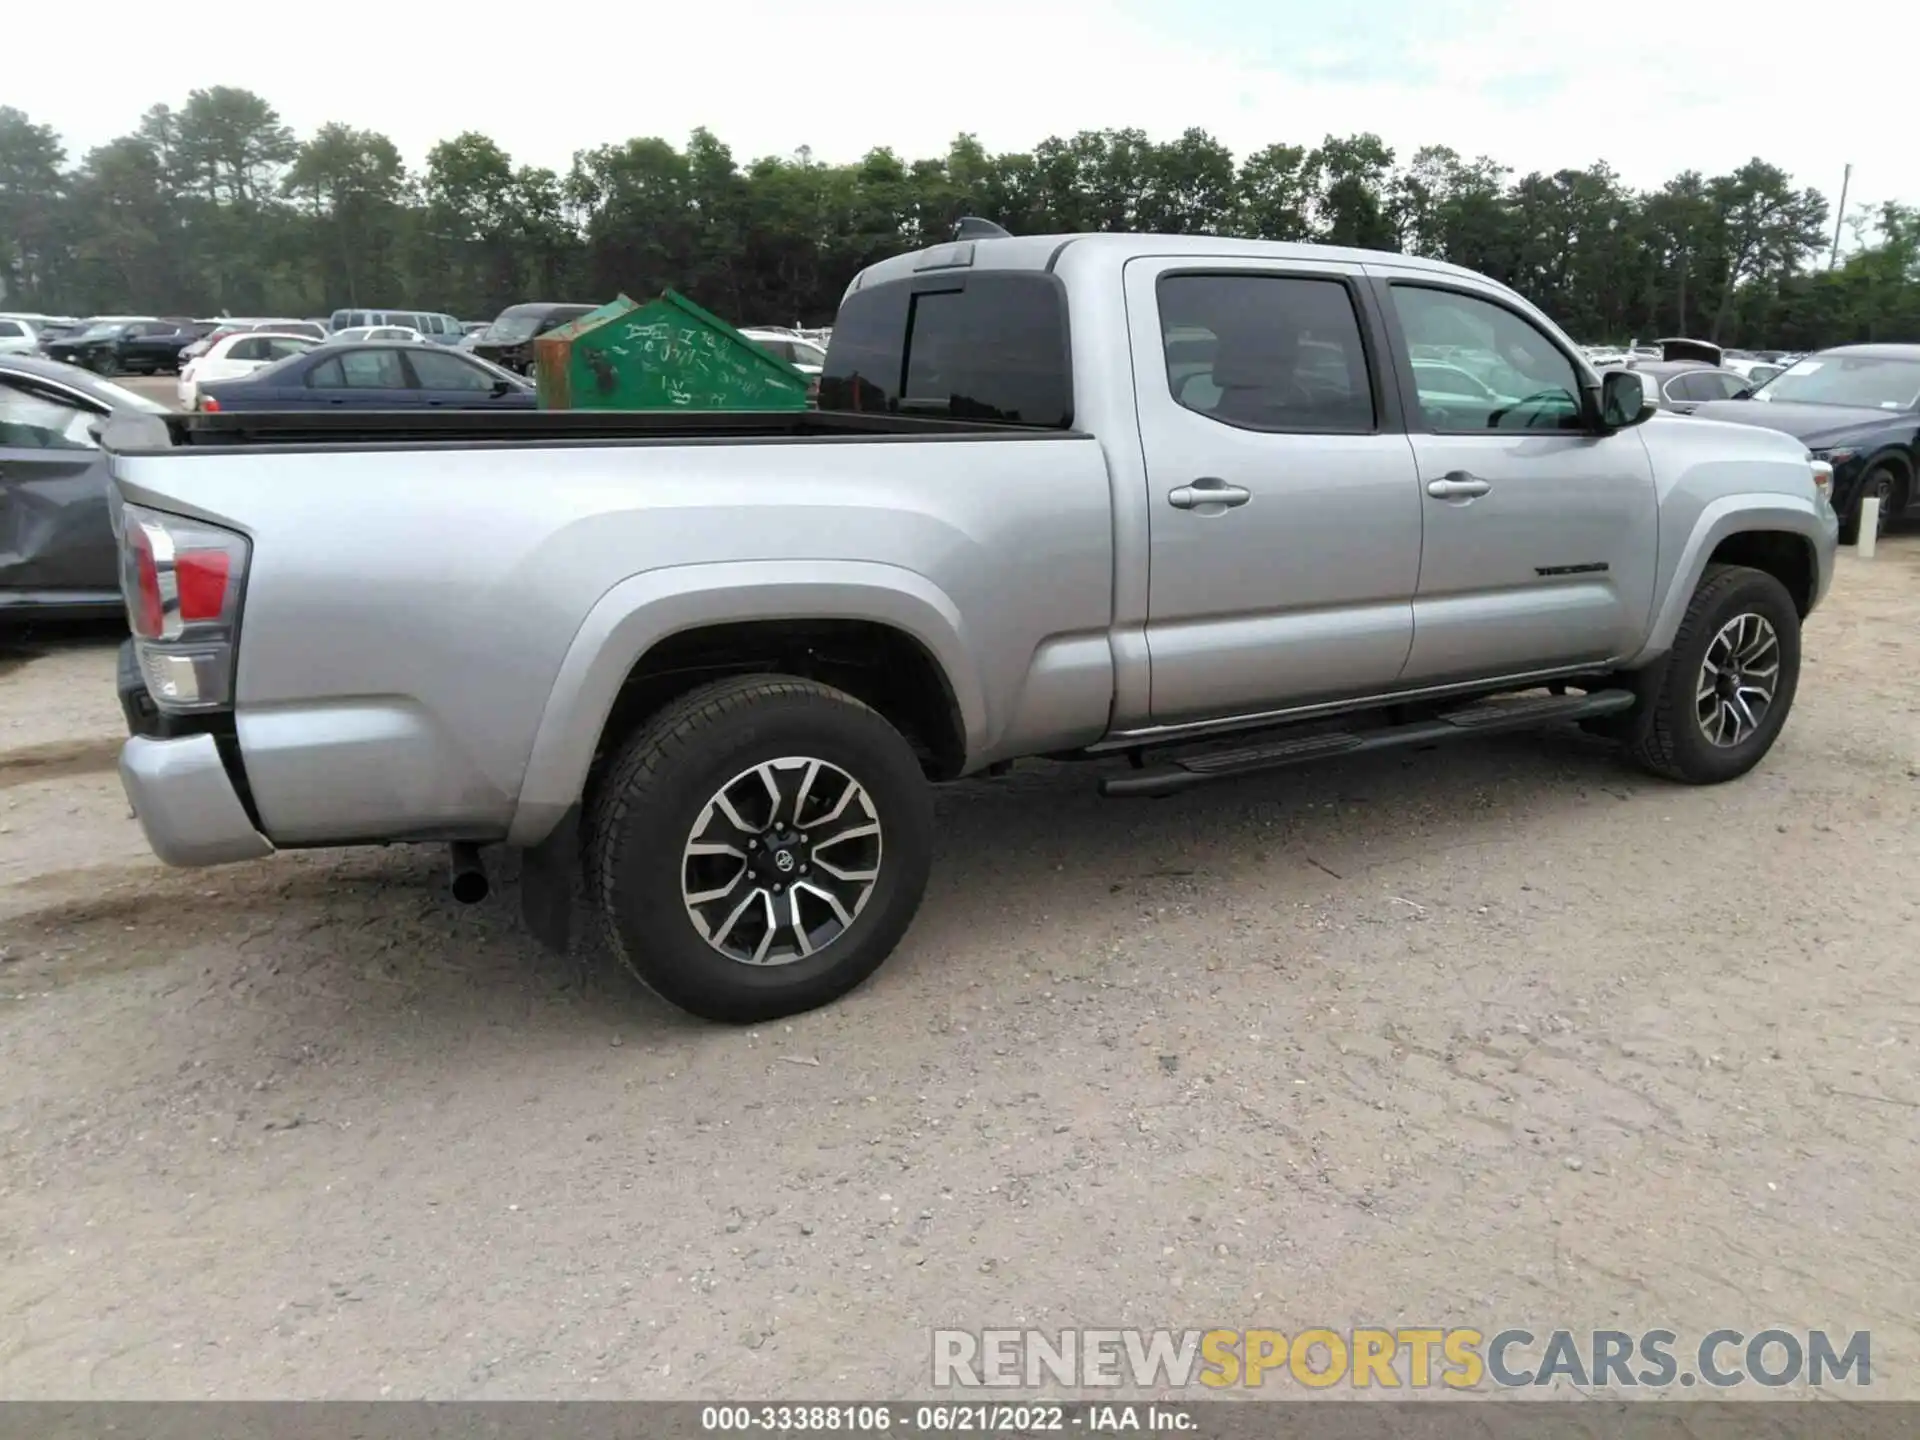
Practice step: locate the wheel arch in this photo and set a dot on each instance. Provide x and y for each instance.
(667, 631)
(1776, 533)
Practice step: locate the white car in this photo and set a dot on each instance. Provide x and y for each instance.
(378, 332)
(803, 355)
(236, 355)
(18, 337)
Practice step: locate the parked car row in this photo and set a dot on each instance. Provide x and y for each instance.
(1855, 406)
(113, 346)
(150, 344)
(367, 375)
(237, 354)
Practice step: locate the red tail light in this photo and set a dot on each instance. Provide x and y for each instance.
(209, 405)
(182, 580)
(202, 578)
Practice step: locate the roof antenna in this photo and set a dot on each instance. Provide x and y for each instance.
(972, 227)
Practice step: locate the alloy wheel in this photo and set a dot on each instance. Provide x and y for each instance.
(1738, 679)
(781, 861)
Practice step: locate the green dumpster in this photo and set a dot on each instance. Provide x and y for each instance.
(666, 354)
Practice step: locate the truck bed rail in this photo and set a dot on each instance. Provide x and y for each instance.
(384, 429)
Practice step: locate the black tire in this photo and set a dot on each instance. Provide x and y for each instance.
(1668, 738)
(655, 792)
(103, 364)
(1881, 481)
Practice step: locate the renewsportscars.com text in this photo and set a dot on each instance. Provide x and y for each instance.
(1402, 1357)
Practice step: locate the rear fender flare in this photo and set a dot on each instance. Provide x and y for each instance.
(641, 611)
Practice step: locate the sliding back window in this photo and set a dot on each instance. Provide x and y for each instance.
(983, 346)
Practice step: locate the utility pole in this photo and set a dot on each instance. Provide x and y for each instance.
(1840, 218)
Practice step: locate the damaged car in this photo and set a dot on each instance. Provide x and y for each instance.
(57, 556)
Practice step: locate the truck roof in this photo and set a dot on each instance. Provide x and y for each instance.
(1042, 252)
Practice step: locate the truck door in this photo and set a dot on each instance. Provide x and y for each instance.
(1540, 537)
(1284, 519)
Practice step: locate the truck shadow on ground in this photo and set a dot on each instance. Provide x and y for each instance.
(341, 946)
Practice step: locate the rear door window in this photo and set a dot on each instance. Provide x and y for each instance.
(360, 370)
(1267, 352)
(986, 346)
(441, 370)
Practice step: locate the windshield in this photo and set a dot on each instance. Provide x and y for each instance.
(511, 329)
(95, 331)
(1866, 381)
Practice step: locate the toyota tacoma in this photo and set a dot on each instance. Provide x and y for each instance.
(1184, 506)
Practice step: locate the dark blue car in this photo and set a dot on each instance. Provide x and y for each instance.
(375, 375)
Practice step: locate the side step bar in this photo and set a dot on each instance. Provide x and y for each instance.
(1485, 718)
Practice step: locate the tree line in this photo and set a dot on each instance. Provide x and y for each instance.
(218, 206)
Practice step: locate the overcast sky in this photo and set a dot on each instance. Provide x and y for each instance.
(1653, 88)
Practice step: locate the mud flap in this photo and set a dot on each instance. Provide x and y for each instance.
(549, 881)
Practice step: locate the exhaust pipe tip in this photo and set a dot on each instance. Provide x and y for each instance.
(469, 877)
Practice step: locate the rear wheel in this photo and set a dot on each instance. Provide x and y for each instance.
(1728, 683)
(760, 847)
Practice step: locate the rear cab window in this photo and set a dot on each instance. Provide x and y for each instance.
(986, 345)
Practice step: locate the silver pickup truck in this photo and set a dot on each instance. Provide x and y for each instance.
(1195, 507)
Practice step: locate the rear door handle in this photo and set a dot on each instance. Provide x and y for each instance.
(1208, 492)
(1458, 485)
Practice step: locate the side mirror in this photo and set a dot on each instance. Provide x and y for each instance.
(1746, 394)
(1623, 400)
(502, 388)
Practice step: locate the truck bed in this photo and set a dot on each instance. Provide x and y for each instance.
(386, 429)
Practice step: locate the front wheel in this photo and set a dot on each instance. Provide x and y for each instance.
(1727, 684)
(759, 847)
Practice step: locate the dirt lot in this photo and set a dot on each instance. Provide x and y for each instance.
(1501, 1035)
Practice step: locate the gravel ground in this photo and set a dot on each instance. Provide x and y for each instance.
(1507, 1034)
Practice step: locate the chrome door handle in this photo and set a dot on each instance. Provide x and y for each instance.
(1206, 493)
(1458, 485)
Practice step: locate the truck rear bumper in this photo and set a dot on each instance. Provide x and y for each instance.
(186, 803)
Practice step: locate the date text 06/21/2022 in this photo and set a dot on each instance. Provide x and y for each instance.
(946, 1419)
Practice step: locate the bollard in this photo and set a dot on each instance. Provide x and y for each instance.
(1869, 525)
